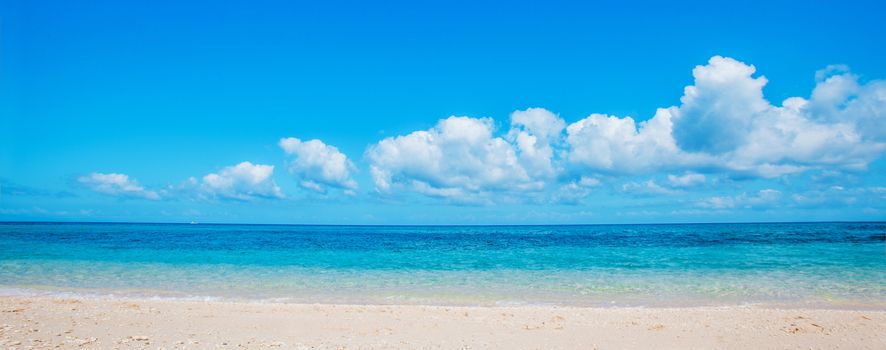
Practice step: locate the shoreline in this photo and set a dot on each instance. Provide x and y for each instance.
(112, 295)
(75, 323)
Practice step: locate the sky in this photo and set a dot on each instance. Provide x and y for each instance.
(420, 112)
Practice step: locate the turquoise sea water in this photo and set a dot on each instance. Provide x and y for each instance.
(834, 264)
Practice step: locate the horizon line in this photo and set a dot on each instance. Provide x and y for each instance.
(3, 222)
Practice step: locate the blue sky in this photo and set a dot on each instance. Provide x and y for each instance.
(339, 112)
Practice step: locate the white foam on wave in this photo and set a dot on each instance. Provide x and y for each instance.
(33, 291)
(426, 300)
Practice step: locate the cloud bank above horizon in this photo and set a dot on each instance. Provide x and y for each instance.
(722, 129)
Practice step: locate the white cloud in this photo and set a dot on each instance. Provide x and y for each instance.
(575, 191)
(647, 187)
(761, 199)
(689, 179)
(836, 196)
(118, 185)
(724, 123)
(589, 181)
(459, 159)
(840, 97)
(244, 181)
(718, 111)
(533, 131)
(612, 144)
(767, 140)
(718, 202)
(318, 165)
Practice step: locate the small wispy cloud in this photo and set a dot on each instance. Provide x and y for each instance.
(761, 199)
(117, 185)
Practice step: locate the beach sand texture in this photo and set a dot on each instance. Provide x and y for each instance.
(52, 323)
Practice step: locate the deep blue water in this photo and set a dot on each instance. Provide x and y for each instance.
(700, 264)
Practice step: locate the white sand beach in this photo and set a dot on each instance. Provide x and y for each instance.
(52, 323)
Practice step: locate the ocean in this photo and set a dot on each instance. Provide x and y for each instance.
(787, 264)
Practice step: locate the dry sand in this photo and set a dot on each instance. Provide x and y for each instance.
(48, 323)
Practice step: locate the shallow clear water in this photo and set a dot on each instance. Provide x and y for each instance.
(837, 264)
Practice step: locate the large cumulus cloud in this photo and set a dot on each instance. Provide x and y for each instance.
(459, 158)
(726, 116)
(723, 125)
